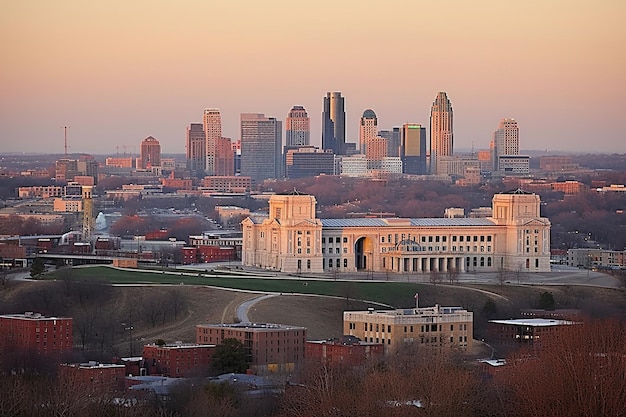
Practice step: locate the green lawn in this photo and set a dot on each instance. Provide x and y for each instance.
(393, 293)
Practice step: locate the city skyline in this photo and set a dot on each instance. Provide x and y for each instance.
(116, 73)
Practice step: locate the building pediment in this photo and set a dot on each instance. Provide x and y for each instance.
(536, 222)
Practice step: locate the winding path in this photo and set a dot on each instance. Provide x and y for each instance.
(243, 308)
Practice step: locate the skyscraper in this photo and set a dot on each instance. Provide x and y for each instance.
(224, 157)
(196, 148)
(261, 140)
(212, 124)
(150, 153)
(368, 129)
(505, 141)
(297, 127)
(334, 123)
(441, 130)
(394, 138)
(413, 149)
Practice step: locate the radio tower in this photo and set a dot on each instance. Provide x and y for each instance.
(65, 137)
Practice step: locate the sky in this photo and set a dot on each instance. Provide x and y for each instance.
(117, 71)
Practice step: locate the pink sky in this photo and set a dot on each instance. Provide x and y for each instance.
(119, 71)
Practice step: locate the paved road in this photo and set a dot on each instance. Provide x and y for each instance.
(243, 308)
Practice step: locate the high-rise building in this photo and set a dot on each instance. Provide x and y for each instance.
(441, 130)
(308, 161)
(150, 153)
(413, 149)
(393, 137)
(297, 127)
(224, 158)
(334, 123)
(196, 148)
(212, 124)
(261, 140)
(368, 129)
(505, 141)
(69, 169)
(376, 148)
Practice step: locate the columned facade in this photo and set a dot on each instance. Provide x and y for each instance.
(516, 238)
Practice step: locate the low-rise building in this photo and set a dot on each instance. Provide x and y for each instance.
(292, 239)
(269, 347)
(178, 359)
(440, 327)
(528, 331)
(345, 350)
(37, 333)
(103, 377)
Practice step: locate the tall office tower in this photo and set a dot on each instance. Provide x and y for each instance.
(261, 139)
(212, 124)
(394, 138)
(368, 129)
(376, 148)
(297, 127)
(441, 132)
(224, 157)
(413, 149)
(150, 155)
(334, 123)
(505, 141)
(196, 148)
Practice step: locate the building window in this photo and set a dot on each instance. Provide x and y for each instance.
(482, 261)
(337, 240)
(345, 240)
(345, 263)
(308, 264)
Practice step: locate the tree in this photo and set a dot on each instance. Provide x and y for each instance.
(37, 268)
(587, 359)
(501, 276)
(230, 356)
(435, 276)
(546, 301)
(453, 275)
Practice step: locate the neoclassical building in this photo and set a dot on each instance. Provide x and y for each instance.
(291, 239)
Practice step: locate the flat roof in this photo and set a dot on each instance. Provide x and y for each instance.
(395, 222)
(32, 316)
(533, 322)
(254, 326)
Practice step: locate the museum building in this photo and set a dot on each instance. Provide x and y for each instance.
(291, 239)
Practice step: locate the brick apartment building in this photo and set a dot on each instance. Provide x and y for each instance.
(103, 377)
(345, 350)
(270, 347)
(34, 332)
(178, 360)
(527, 331)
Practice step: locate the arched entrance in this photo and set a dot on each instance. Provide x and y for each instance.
(363, 254)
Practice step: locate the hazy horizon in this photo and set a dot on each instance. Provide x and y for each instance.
(117, 72)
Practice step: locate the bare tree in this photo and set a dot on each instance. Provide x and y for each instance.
(435, 276)
(502, 276)
(453, 275)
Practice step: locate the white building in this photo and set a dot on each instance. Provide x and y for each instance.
(291, 239)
